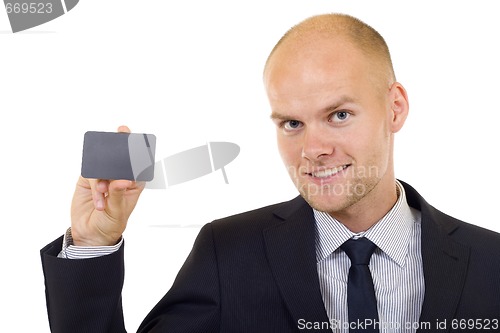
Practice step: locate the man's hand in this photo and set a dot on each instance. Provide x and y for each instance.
(100, 209)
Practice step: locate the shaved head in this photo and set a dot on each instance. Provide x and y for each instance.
(339, 28)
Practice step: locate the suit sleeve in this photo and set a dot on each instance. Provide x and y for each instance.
(83, 295)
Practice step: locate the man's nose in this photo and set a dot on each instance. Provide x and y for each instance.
(316, 143)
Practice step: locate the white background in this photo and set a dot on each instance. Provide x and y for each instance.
(190, 72)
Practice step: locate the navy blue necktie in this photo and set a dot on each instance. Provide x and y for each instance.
(361, 301)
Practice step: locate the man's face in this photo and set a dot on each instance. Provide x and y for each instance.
(334, 124)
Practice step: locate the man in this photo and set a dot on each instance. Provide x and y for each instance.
(286, 267)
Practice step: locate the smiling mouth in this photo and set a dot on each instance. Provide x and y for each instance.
(325, 173)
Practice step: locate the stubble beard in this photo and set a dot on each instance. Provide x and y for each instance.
(337, 198)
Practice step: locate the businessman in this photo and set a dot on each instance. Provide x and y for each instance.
(356, 251)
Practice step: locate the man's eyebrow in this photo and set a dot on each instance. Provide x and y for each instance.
(333, 106)
(278, 116)
(338, 103)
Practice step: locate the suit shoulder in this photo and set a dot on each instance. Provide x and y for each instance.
(475, 234)
(463, 232)
(476, 237)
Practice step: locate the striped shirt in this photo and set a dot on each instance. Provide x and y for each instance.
(70, 251)
(396, 267)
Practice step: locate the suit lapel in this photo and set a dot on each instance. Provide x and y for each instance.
(445, 263)
(291, 253)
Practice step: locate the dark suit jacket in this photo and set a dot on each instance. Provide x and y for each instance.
(256, 272)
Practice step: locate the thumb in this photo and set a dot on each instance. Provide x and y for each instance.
(119, 201)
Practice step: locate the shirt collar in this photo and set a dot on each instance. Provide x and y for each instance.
(391, 233)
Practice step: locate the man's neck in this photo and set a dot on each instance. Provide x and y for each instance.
(365, 213)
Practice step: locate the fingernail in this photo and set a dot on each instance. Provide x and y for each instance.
(99, 204)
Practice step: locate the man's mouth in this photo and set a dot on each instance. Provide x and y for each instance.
(325, 173)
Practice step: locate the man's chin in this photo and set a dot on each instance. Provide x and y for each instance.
(334, 197)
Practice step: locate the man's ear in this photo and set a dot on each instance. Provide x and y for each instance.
(399, 106)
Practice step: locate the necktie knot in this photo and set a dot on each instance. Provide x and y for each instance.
(359, 250)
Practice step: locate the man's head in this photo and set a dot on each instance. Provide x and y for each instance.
(350, 29)
(336, 104)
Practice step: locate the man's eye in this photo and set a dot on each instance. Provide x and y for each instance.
(291, 125)
(339, 116)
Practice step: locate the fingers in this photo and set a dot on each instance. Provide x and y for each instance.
(120, 185)
(123, 129)
(101, 186)
(105, 192)
(99, 193)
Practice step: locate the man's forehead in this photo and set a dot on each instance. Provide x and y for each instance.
(311, 43)
(313, 57)
(312, 63)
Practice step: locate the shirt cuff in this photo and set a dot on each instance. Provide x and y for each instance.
(70, 251)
